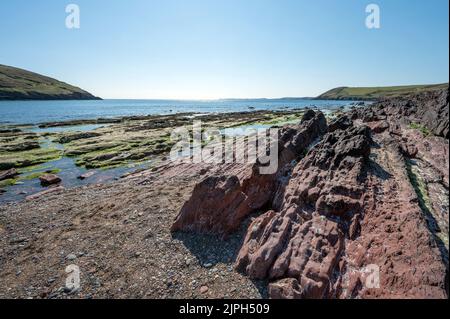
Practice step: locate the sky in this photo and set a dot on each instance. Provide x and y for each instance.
(209, 49)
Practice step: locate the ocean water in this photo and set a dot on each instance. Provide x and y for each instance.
(34, 112)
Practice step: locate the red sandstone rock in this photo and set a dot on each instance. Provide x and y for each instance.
(46, 192)
(349, 221)
(344, 218)
(219, 203)
(378, 127)
(288, 288)
(429, 108)
(49, 179)
(305, 239)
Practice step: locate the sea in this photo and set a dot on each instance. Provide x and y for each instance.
(35, 112)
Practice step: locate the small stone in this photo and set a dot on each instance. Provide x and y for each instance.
(71, 257)
(207, 265)
(49, 179)
(204, 289)
(86, 175)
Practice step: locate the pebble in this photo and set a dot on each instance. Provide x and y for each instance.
(204, 289)
(71, 257)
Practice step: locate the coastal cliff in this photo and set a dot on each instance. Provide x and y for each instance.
(19, 84)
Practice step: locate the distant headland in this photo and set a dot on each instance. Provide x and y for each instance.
(19, 84)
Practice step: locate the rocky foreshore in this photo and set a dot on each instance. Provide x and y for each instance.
(358, 208)
(368, 199)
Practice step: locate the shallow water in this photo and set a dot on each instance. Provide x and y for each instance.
(69, 176)
(68, 170)
(32, 112)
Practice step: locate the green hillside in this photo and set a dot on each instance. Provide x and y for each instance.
(375, 93)
(18, 84)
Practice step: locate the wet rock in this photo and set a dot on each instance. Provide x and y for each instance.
(49, 179)
(9, 131)
(86, 175)
(77, 136)
(20, 147)
(46, 192)
(11, 173)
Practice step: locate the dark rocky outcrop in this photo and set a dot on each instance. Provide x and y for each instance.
(76, 136)
(429, 109)
(10, 173)
(22, 146)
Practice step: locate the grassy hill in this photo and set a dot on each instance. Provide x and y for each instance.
(375, 93)
(18, 84)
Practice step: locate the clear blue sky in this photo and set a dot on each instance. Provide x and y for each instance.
(227, 48)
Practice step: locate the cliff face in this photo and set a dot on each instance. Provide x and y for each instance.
(18, 84)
